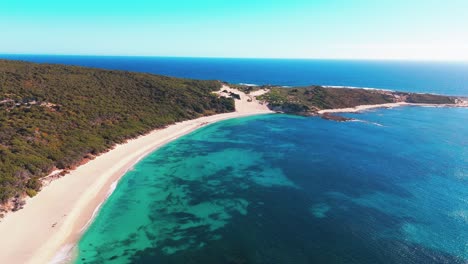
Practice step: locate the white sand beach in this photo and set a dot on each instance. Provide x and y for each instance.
(360, 108)
(58, 215)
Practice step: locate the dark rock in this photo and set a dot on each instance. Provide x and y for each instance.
(337, 118)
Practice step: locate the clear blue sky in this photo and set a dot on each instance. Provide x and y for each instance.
(372, 29)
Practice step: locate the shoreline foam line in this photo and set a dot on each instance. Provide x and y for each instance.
(54, 219)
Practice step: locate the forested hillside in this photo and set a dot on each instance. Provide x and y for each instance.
(54, 116)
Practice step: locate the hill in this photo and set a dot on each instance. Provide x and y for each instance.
(56, 117)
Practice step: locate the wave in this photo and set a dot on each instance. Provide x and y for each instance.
(368, 122)
(66, 252)
(249, 84)
(112, 188)
(356, 87)
(64, 255)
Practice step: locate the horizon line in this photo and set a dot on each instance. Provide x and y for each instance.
(246, 58)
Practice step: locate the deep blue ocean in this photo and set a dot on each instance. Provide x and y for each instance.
(391, 187)
(270, 189)
(450, 78)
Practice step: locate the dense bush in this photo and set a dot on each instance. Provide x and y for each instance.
(54, 115)
(314, 98)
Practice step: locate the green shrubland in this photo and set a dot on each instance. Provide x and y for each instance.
(53, 116)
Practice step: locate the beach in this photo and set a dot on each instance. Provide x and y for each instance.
(361, 108)
(49, 225)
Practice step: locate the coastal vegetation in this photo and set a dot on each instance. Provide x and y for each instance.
(310, 100)
(55, 117)
(247, 89)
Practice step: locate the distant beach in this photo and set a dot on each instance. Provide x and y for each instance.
(360, 108)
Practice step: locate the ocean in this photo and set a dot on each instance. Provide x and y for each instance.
(390, 187)
(286, 189)
(450, 78)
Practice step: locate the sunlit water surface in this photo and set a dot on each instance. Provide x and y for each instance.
(392, 188)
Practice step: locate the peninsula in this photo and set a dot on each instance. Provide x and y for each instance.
(78, 130)
(325, 101)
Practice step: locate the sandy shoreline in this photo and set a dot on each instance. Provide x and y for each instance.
(58, 215)
(51, 223)
(361, 108)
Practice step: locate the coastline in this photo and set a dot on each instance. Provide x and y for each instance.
(361, 108)
(51, 223)
(47, 229)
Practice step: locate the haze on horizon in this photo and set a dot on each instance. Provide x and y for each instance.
(336, 29)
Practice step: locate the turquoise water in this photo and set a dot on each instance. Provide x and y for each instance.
(392, 188)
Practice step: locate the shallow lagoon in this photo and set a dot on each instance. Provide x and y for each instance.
(285, 189)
